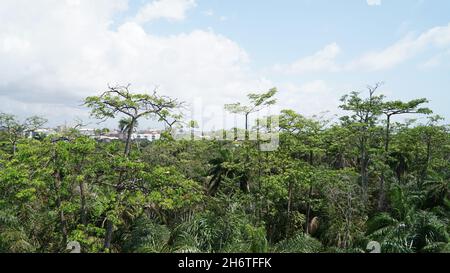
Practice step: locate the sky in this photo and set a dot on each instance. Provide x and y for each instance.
(54, 53)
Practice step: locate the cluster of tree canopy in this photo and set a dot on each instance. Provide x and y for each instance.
(329, 187)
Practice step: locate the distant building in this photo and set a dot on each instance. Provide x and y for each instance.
(106, 138)
(116, 135)
(149, 135)
(87, 132)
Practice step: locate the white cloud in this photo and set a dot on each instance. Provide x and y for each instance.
(168, 9)
(323, 60)
(403, 50)
(373, 2)
(437, 38)
(53, 53)
(57, 58)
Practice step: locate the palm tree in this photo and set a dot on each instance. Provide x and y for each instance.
(300, 243)
(408, 229)
(223, 167)
(438, 190)
(124, 124)
(13, 236)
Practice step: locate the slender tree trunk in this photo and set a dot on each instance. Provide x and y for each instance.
(308, 209)
(14, 144)
(382, 193)
(129, 133)
(247, 136)
(308, 206)
(364, 173)
(108, 234)
(388, 134)
(341, 161)
(289, 207)
(83, 212)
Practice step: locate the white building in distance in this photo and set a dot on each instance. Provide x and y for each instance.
(150, 135)
(87, 132)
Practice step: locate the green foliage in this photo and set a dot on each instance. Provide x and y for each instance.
(147, 236)
(257, 102)
(220, 231)
(300, 243)
(329, 187)
(172, 191)
(89, 237)
(407, 229)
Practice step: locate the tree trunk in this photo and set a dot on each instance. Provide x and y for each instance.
(108, 235)
(382, 191)
(128, 141)
(308, 206)
(245, 188)
(14, 148)
(247, 136)
(388, 134)
(289, 207)
(364, 174)
(83, 212)
(308, 209)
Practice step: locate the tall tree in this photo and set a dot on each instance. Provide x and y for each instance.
(257, 103)
(395, 108)
(306, 139)
(119, 100)
(365, 113)
(391, 109)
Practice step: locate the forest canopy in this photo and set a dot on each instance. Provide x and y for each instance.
(379, 173)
